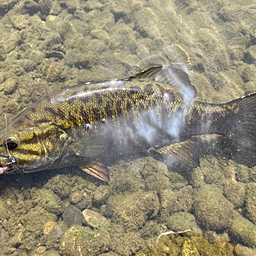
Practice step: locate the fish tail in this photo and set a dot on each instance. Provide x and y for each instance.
(241, 127)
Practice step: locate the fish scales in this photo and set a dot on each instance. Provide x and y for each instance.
(153, 112)
(71, 108)
(206, 118)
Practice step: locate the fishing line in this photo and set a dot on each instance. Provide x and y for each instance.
(5, 136)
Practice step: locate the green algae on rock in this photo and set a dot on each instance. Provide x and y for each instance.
(235, 193)
(101, 194)
(95, 220)
(250, 205)
(3, 209)
(212, 210)
(47, 199)
(124, 180)
(80, 240)
(186, 244)
(133, 209)
(175, 201)
(155, 174)
(183, 221)
(124, 243)
(242, 230)
(53, 232)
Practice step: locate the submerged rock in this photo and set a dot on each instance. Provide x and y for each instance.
(28, 7)
(75, 197)
(47, 199)
(5, 6)
(3, 208)
(72, 216)
(242, 230)
(126, 176)
(101, 194)
(250, 204)
(108, 254)
(95, 220)
(96, 40)
(83, 241)
(33, 224)
(45, 6)
(86, 202)
(175, 201)
(61, 185)
(41, 249)
(49, 227)
(123, 242)
(2, 53)
(235, 193)
(155, 174)
(132, 210)
(53, 232)
(188, 243)
(212, 210)
(182, 221)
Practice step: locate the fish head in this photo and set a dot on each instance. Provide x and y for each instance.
(31, 149)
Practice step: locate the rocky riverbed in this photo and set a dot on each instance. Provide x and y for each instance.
(47, 45)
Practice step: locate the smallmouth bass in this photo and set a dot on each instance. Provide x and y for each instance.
(154, 111)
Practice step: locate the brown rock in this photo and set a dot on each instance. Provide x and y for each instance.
(101, 194)
(212, 210)
(75, 197)
(41, 249)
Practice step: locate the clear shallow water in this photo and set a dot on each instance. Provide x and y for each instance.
(48, 45)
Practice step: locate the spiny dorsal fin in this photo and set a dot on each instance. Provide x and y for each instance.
(173, 77)
(186, 153)
(96, 169)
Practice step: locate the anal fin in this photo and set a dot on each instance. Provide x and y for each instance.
(185, 153)
(96, 169)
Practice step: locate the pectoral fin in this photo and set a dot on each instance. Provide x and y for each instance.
(96, 169)
(90, 146)
(186, 153)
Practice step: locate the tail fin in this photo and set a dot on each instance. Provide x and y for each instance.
(242, 127)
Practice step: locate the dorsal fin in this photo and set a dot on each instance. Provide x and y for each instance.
(172, 77)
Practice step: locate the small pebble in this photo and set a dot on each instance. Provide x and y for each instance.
(101, 194)
(41, 249)
(95, 219)
(9, 202)
(75, 197)
(48, 227)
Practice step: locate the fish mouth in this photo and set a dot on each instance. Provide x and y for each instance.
(6, 164)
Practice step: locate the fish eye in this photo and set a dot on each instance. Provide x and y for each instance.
(11, 143)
